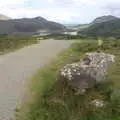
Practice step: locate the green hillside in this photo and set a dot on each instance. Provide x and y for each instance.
(104, 29)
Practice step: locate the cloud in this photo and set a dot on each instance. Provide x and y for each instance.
(113, 7)
(74, 2)
(63, 11)
(10, 3)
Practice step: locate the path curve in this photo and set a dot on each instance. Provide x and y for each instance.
(16, 67)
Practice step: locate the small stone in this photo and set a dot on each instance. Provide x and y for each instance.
(62, 73)
(74, 70)
(77, 73)
(98, 103)
(80, 92)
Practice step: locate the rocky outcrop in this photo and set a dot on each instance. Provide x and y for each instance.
(87, 73)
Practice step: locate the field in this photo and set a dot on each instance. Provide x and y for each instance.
(38, 106)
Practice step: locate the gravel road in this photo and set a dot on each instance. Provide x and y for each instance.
(17, 66)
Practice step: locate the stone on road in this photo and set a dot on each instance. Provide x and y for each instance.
(17, 66)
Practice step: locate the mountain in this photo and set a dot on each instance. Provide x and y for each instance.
(104, 29)
(104, 19)
(28, 26)
(3, 17)
(98, 20)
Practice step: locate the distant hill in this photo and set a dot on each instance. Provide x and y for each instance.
(70, 25)
(96, 21)
(106, 29)
(104, 19)
(28, 26)
(3, 17)
(82, 26)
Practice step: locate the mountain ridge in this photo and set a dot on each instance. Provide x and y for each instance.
(104, 19)
(103, 29)
(28, 26)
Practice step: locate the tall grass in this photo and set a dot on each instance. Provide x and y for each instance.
(68, 106)
(8, 44)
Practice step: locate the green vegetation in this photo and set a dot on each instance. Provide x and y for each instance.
(8, 44)
(71, 107)
(65, 37)
(104, 29)
(70, 37)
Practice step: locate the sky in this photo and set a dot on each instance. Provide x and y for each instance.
(62, 11)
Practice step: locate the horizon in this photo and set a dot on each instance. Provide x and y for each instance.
(61, 11)
(66, 24)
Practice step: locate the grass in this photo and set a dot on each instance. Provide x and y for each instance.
(69, 106)
(9, 44)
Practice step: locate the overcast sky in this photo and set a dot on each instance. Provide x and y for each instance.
(63, 11)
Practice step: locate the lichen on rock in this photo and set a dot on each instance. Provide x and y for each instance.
(88, 72)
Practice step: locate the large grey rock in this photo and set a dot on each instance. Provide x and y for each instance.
(87, 73)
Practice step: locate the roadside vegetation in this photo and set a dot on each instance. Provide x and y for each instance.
(72, 107)
(11, 43)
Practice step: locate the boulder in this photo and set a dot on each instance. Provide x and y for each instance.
(88, 72)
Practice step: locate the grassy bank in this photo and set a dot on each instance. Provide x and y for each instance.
(8, 44)
(72, 107)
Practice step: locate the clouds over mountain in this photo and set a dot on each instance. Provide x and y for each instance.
(64, 11)
(114, 7)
